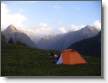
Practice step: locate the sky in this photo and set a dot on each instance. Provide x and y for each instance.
(59, 16)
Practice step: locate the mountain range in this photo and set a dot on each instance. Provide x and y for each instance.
(56, 42)
(62, 41)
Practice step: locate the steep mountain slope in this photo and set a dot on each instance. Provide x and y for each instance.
(62, 41)
(14, 35)
(91, 46)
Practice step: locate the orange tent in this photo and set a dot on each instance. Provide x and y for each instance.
(71, 56)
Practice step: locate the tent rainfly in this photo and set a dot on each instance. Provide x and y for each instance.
(70, 56)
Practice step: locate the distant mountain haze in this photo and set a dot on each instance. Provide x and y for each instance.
(49, 41)
(62, 41)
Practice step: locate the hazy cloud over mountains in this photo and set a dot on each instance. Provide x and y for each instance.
(17, 19)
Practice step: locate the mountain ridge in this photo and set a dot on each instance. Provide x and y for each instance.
(56, 42)
(90, 46)
(64, 40)
(11, 33)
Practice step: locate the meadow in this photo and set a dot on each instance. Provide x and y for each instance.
(19, 60)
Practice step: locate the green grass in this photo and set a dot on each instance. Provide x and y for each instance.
(18, 60)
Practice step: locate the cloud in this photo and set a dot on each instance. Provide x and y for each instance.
(65, 29)
(18, 19)
(97, 24)
(75, 28)
(43, 29)
(7, 17)
(62, 30)
(43, 25)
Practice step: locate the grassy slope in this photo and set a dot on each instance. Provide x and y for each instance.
(18, 60)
